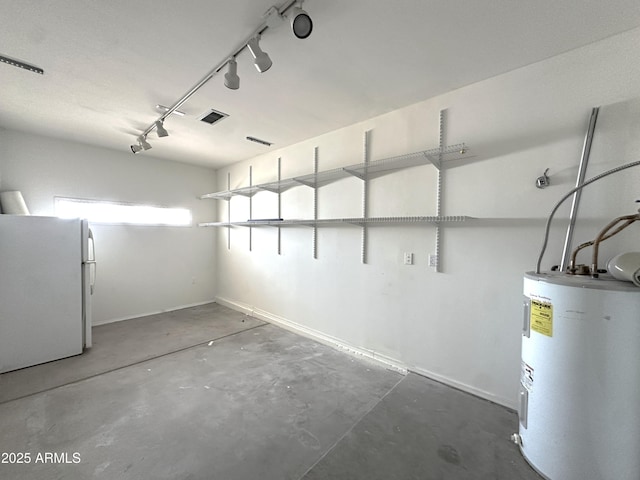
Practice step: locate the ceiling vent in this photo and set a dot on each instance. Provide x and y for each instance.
(212, 116)
(21, 64)
(258, 140)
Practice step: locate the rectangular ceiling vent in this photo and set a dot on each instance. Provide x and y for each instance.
(212, 116)
(260, 141)
(21, 64)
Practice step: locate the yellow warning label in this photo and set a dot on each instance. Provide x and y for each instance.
(542, 317)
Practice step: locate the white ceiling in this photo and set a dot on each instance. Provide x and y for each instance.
(108, 63)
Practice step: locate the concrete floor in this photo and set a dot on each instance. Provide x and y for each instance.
(208, 393)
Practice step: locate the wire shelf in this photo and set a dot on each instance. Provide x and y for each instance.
(279, 186)
(342, 221)
(322, 178)
(435, 156)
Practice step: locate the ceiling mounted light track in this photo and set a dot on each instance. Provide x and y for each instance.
(301, 25)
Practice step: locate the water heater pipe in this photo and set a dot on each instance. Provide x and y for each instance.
(567, 195)
(603, 235)
(582, 170)
(629, 219)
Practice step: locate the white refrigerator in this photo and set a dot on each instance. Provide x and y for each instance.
(47, 275)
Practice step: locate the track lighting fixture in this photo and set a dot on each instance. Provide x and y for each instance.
(301, 23)
(142, 145)
(136, 148)
(260, 58)
(142, 140)
(231, 78)
(162, 132)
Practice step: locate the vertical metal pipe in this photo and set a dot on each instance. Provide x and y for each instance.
(582, 171)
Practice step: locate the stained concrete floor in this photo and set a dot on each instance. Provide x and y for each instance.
(207, 393)
(118, 345)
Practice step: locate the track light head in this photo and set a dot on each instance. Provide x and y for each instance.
(136, 148)
(231, 78)
(301, 23)
(143, 142)
(260, 58)
(160, 130)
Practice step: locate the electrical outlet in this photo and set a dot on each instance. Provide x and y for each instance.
(433, 260)
(408, 258)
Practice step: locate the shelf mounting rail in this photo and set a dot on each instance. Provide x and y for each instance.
(441, 146)
(365, 195)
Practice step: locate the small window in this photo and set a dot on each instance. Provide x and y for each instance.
(97, 211)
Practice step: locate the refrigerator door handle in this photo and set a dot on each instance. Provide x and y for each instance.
(91, 260)
(88, 261)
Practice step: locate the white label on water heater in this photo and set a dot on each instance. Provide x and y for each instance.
(526, 376)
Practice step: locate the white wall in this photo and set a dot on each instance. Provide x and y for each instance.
(141, 270)
(463, 325)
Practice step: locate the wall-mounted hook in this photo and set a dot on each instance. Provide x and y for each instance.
(543, 180)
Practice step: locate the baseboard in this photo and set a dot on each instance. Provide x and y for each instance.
(505, 402)
(388, 362)
(323, 338)
(172, 309)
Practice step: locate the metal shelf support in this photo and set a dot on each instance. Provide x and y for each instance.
(365, 195)
(315, 203)
(228, 213)
(366, 170)
(250, 208)
(279, 206)
(441, 145)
